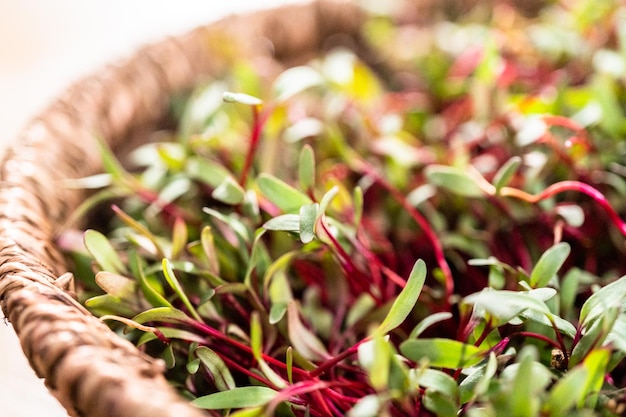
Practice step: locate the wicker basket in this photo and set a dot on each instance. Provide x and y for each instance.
(86, 366)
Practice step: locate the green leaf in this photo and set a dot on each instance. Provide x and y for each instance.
(525, 384)
(116, 285)
(437, 380)
(549, 264)
(283, 195)
(440, 404)
(241, 98)
(375, 357)
(294, 80)
(276, 284)
(207, 241)
(162, 315)
(363, 304)
(109, 304)
(179, 237)
(550, 320)
(154, 297)
(367, 406)
(206, 171)
(139, 228)
(110, 162)
(304, 341)
(429, 321)
(216, 367)
(284, 223)
(594, 335)
(506, 172)
(358, 205)
(256, 343)
(172, 333)
(233, 222)
(573, 214)
(505, 305)
(171, 279)
(306, 127)
(240, 397)
(306, 168)
(566, 392)
(453, 179)
(308, 217)
(405, 301)
(610, 295)
(478, 380)
(443, 353)
(103, 252)
(596, 365)
(229, 192)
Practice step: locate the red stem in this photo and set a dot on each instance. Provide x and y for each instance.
(258, 121)
(564, 186)
(326, 365)
(423, 224)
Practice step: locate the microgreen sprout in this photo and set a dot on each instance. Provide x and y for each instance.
(439, 233)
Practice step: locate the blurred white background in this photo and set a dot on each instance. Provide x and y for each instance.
(44, 46)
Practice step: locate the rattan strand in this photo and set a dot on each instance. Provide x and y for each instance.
(85, 365)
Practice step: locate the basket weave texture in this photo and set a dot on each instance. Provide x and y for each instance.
(89, 369)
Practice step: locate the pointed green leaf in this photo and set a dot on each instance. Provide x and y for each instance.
(241, 98)
(306, 168)
(304, 341)
(453, 179)
(216, 368)
(179, 237)
(139, 228)
(240, 397)
(207, 241)
(308, 216)
(506, 172)
(437, 380)
(162, 315)
(171, 279)
(594, 335)
(566, 392)
(596, 365)
(405, 301)
(172, 333)
(505, 305)
(103, 252)
(443, 353)
(429, 321)
(116, 285)
(440, 404)
(478, 380)
(284, 223)
(229, 192)
(573, 214)
(206, 171)
(525, 384)
(549, 264)
(610, 295)
(367, 406)
(294, 80)
(375, 357)
(153, 296)
(283, 195)
(110, 162)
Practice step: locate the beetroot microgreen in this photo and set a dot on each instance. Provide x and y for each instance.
(435, 231)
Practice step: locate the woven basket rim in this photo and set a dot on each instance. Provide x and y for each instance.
(88, 368)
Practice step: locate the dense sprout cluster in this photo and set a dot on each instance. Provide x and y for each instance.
(432, 227)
